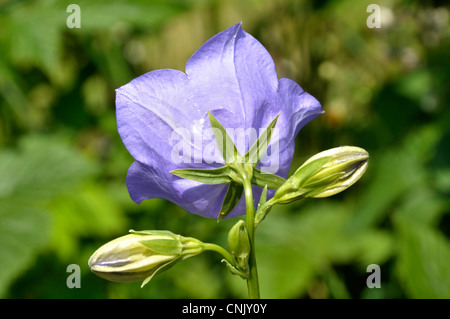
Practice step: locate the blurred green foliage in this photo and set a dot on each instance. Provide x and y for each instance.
(63, 165)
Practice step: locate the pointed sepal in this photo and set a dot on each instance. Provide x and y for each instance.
(234, 270)
(258, 148)
(224, 142)
(219, 175)
(231, 199)
(270, 180)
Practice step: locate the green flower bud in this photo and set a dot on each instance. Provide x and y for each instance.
(325, 174)
(239, 244)
(140, 255)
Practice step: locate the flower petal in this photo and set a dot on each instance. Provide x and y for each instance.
(238, 76)
(149, 109)
(145, 182)
(296, 109)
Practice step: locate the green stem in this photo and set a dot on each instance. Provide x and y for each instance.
(220, 250)
(252, 280)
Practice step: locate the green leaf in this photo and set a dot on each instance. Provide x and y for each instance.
(395, 172)
(28, 40)
(262, 143)
(224, 141)
(295, 249)
(206, 176)
(34, 174)
(231, 199)
(92, 211)
(41, 168)
(423, 260)
(24, 231)
(100, 15)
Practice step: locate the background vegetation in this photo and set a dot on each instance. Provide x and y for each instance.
(63, 165)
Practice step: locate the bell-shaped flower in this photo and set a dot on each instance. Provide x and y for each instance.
(162, 118)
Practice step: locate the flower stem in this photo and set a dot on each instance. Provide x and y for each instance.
(220, 250)
(252, 280)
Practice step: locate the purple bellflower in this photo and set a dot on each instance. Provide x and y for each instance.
(162, 118)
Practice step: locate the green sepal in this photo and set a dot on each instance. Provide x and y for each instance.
(161, 268)
(170, 245)
(261, 179)
(310, 169)
(219, 175)
(235, 271)
(228, 173)
(231, 199)
(262, 199)
(167, 233)
(290, 190)
(258, 148)
(163, 246)
(224, 142)
(264, 207)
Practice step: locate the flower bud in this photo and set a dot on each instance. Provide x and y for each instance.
(239, 244)
(140, 255)
(325, 174)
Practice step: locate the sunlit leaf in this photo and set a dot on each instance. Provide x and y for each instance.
(24, 231)
(423, 260)
(40, 169)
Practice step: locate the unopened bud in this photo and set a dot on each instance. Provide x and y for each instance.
(325, 174)
(140, 255)
(239, 244)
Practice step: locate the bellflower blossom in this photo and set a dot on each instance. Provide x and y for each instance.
(233, 76)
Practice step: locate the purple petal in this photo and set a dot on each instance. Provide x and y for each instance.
(237, 75)
(299, 106)
(148, 110)
(296, 109)
(145, 182)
